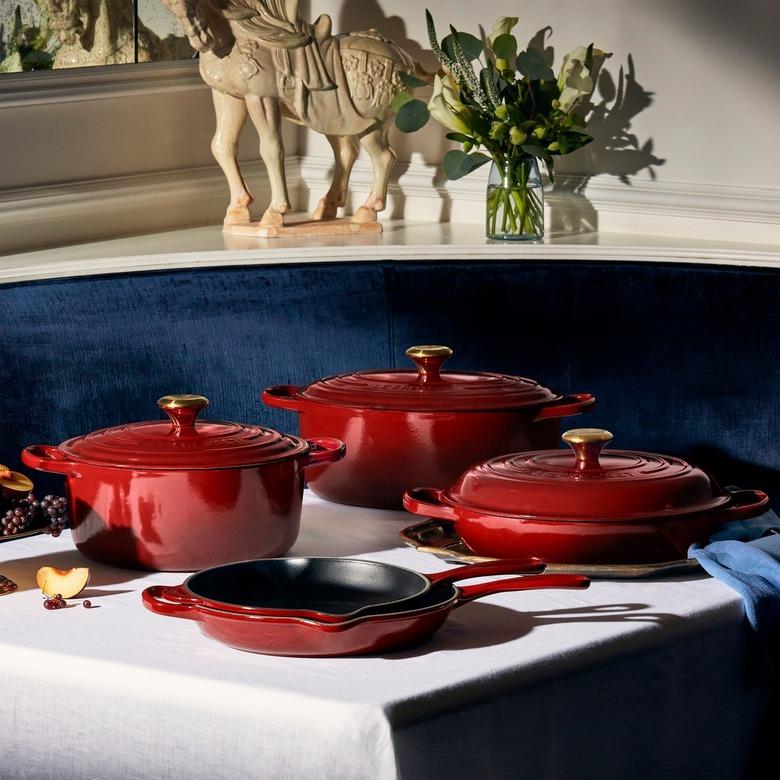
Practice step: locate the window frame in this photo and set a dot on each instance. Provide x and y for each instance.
(36, 87)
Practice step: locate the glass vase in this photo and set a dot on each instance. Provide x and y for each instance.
(515, 201)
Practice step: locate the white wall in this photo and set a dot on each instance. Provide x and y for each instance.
(698, 155)
(699, 118)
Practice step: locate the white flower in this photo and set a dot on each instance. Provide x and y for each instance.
(445, 101)
(503, 26)
(575, 81)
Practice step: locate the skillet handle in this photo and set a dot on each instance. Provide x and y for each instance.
(743, 505)
(569, 405)
(471, 592)
(282, 397)
(426, 501)
(170, 602)
(44, 457)
(527, 565)
(324, 450)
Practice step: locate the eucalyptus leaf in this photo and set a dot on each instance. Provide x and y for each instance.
(458, 164)
(532, 65)
(505, 46)
(461, 138)
(412, 115)
(533, 149)
(471, 45)
(401, 99)
(408, 80)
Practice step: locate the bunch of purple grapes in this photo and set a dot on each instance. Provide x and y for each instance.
(26, 513)
(6, 586)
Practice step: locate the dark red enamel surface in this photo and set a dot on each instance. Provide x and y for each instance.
(404, 427)
(182, 495)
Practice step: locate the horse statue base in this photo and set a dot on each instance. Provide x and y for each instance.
(343, 226)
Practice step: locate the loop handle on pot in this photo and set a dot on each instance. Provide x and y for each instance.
(282, 397)
(182, 409)
(527, 565)
(166, 601)
(743, 505)
(45, 457)
(429, 359)
(426, 501)
(324, 450)
(470, 592)
(568, 406)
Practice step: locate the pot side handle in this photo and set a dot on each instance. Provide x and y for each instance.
(470, 592)
(426, 501)
(282, 397)
(167, 601)
(44, 457)
(568, 406)
(324, 450)
(743, 505)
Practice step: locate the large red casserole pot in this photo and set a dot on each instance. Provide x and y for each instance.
(407, 427)
(181, 495)
(585, 506)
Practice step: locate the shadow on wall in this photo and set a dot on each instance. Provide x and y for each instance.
(614, 151)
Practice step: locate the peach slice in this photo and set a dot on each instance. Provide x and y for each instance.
(66, 582)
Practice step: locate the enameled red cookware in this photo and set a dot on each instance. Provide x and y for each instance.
(584, 505)
(295, 636)
(182, 494)
(326, 589)
(407, 427)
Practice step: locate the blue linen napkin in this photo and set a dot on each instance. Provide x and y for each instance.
(745, 555)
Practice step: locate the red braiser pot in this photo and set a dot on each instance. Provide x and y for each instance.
(181, 495)
(405, 428)
(585, 505)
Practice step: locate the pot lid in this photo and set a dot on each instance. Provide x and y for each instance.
(182, 442)
(428, 387)
(586, 483)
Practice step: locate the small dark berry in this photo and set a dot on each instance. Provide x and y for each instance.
(87, 604)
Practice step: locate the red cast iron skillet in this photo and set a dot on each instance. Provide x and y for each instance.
(330, 590)
(293, 636)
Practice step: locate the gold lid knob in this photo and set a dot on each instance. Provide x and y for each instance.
(182, 409)
(428, 350)
(429, 359)
(183, 401)
(587, 444)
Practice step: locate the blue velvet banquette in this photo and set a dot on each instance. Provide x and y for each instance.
(684, 359)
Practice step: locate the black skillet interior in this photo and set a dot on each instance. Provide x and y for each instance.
(337, 586)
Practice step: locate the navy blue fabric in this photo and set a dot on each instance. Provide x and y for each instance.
(684, 358)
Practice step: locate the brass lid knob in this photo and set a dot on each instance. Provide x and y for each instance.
(587, 444)
(429, 359)
(182, 409)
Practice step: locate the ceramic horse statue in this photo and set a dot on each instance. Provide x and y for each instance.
(263, 61)
(100, 32)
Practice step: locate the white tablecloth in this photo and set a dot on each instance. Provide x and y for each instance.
(651, 678)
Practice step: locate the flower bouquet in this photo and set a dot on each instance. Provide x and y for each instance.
(510, 104)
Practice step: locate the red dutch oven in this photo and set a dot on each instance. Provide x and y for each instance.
(404, 427)
(584, 505)
(181, 495)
